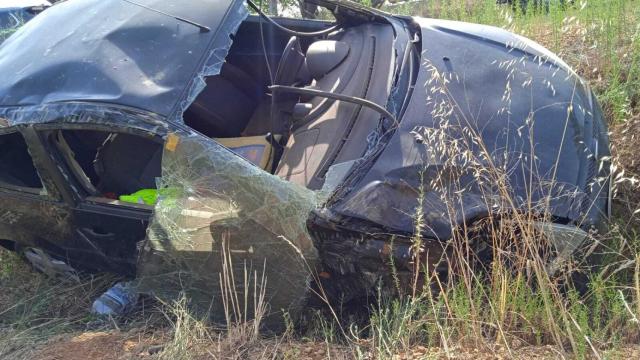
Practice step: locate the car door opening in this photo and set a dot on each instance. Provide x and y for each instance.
(111, 165)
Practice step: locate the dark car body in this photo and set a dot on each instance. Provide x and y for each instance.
(145, 98)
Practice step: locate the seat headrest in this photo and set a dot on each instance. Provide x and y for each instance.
(324, 56)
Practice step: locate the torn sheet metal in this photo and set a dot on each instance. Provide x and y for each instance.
(219, 213)
(484, 99)
(83, 113)
(215, 57)
(143, 54)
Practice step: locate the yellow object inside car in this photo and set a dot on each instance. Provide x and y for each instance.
(255, 149)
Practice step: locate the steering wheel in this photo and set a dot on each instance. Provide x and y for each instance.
(291, 62)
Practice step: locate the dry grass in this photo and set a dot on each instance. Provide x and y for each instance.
(512, 300)
(625, 144)
(33, 307)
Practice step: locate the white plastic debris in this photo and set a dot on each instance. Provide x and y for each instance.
(117, 301)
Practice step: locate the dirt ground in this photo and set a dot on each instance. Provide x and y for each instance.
(116, 345)
(139, 341)
(131, 345)
(96, 345)
(135, 344)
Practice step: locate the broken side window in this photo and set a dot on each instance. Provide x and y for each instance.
(111, 165)
(17, 170)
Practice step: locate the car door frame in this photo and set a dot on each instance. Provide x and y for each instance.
(86, 246)
(28, 216)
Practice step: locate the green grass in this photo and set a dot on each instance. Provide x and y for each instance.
(598, 38)
(33, 307)
(4, 34)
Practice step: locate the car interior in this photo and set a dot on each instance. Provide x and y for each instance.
(102, 162)
(304, 135)
(295, 137)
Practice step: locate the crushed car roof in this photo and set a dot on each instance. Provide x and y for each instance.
(145, 55)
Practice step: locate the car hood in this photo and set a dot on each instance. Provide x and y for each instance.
(150, 55)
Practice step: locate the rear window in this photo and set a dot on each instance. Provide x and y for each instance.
(16, 165)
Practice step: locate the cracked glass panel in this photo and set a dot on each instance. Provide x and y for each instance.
(225, 231)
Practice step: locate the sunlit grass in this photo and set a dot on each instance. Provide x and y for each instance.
(598, 38)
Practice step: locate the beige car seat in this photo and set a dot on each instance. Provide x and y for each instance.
(336, 131)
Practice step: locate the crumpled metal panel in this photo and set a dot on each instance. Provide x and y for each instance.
(484, 99)
(118, 52)
(212, 202)
(218, 213)
(82, 113)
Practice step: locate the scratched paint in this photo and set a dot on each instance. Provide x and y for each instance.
(10, 217)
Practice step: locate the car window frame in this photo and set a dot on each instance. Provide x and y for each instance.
(41, 192)
(74, 168)
(47, 131)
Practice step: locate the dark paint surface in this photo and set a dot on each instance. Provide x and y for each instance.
(110, 52)
(480, 62)
(126, 66)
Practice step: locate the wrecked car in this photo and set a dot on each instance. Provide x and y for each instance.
(206, 151)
